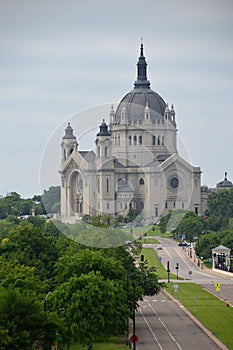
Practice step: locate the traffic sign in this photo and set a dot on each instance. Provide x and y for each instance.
(217, 286)
(134, 338)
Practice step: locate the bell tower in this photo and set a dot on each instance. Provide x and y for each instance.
(69, 143)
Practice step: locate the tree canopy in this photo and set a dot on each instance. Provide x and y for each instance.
(70, 289)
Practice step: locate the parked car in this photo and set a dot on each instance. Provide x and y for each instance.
(183, 244)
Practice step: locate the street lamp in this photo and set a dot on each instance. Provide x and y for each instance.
(127, 296)
(135, 338)
(45, 301)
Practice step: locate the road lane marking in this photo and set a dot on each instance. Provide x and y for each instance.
(151, 330)
(189, 266)
(167, 253)
(167, 330)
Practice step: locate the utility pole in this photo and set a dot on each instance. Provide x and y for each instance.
(177, 269)
(168, 271)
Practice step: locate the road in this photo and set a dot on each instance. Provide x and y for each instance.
(160, 322)
(187, 268)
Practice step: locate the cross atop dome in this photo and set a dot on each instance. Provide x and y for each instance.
(142, 81)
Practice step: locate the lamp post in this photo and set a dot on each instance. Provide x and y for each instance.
(128, 275)
(168, 271)
(134, 316)
(45, 302)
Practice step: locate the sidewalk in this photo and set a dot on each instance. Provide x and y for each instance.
(226, 290)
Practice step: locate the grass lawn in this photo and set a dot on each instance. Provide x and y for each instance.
(156, 232)
(115, 344)
(153, 260)
(99, 346)
(150, 231)
(152, 240)
(208, 309)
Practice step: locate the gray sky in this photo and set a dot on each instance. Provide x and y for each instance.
(61, 57)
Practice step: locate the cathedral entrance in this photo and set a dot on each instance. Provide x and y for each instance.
(76, 194)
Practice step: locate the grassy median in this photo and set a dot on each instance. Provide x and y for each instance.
(215, 314)
(114, 343)
(153, 260)
(99, 346)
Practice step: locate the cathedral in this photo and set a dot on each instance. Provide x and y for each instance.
(136, 164)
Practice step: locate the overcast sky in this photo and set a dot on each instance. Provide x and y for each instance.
(62, 57)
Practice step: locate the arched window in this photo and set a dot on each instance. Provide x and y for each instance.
(158, 140)
(163, 140)
(98, 185)
(140, 140)
(153, 140)
(130, 140)
(135, 140)
(141, 182)
(106, 151)
(107, 185)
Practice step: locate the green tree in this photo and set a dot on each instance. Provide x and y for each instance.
(207, 242)
(214, 223)
(163, 222)
(23, 322)
(12, 204)
(28, 245)
(220, 204)
(85, 261)
(226, 238)
(94, 307)
(191, 225)
(15, 276)
(51, 199)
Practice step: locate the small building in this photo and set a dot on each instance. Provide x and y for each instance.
(221, 257)
(224, 184)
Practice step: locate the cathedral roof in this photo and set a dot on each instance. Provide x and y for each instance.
(89, 156)
(141, 96)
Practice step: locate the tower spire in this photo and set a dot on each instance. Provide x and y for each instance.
(141, 81)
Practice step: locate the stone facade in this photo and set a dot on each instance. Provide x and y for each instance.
(136, 164)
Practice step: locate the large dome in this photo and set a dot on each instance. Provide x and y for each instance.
(135, 101)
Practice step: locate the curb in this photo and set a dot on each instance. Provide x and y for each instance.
(193, 318)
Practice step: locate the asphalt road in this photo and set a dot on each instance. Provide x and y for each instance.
(187, 268)
(160, 322)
